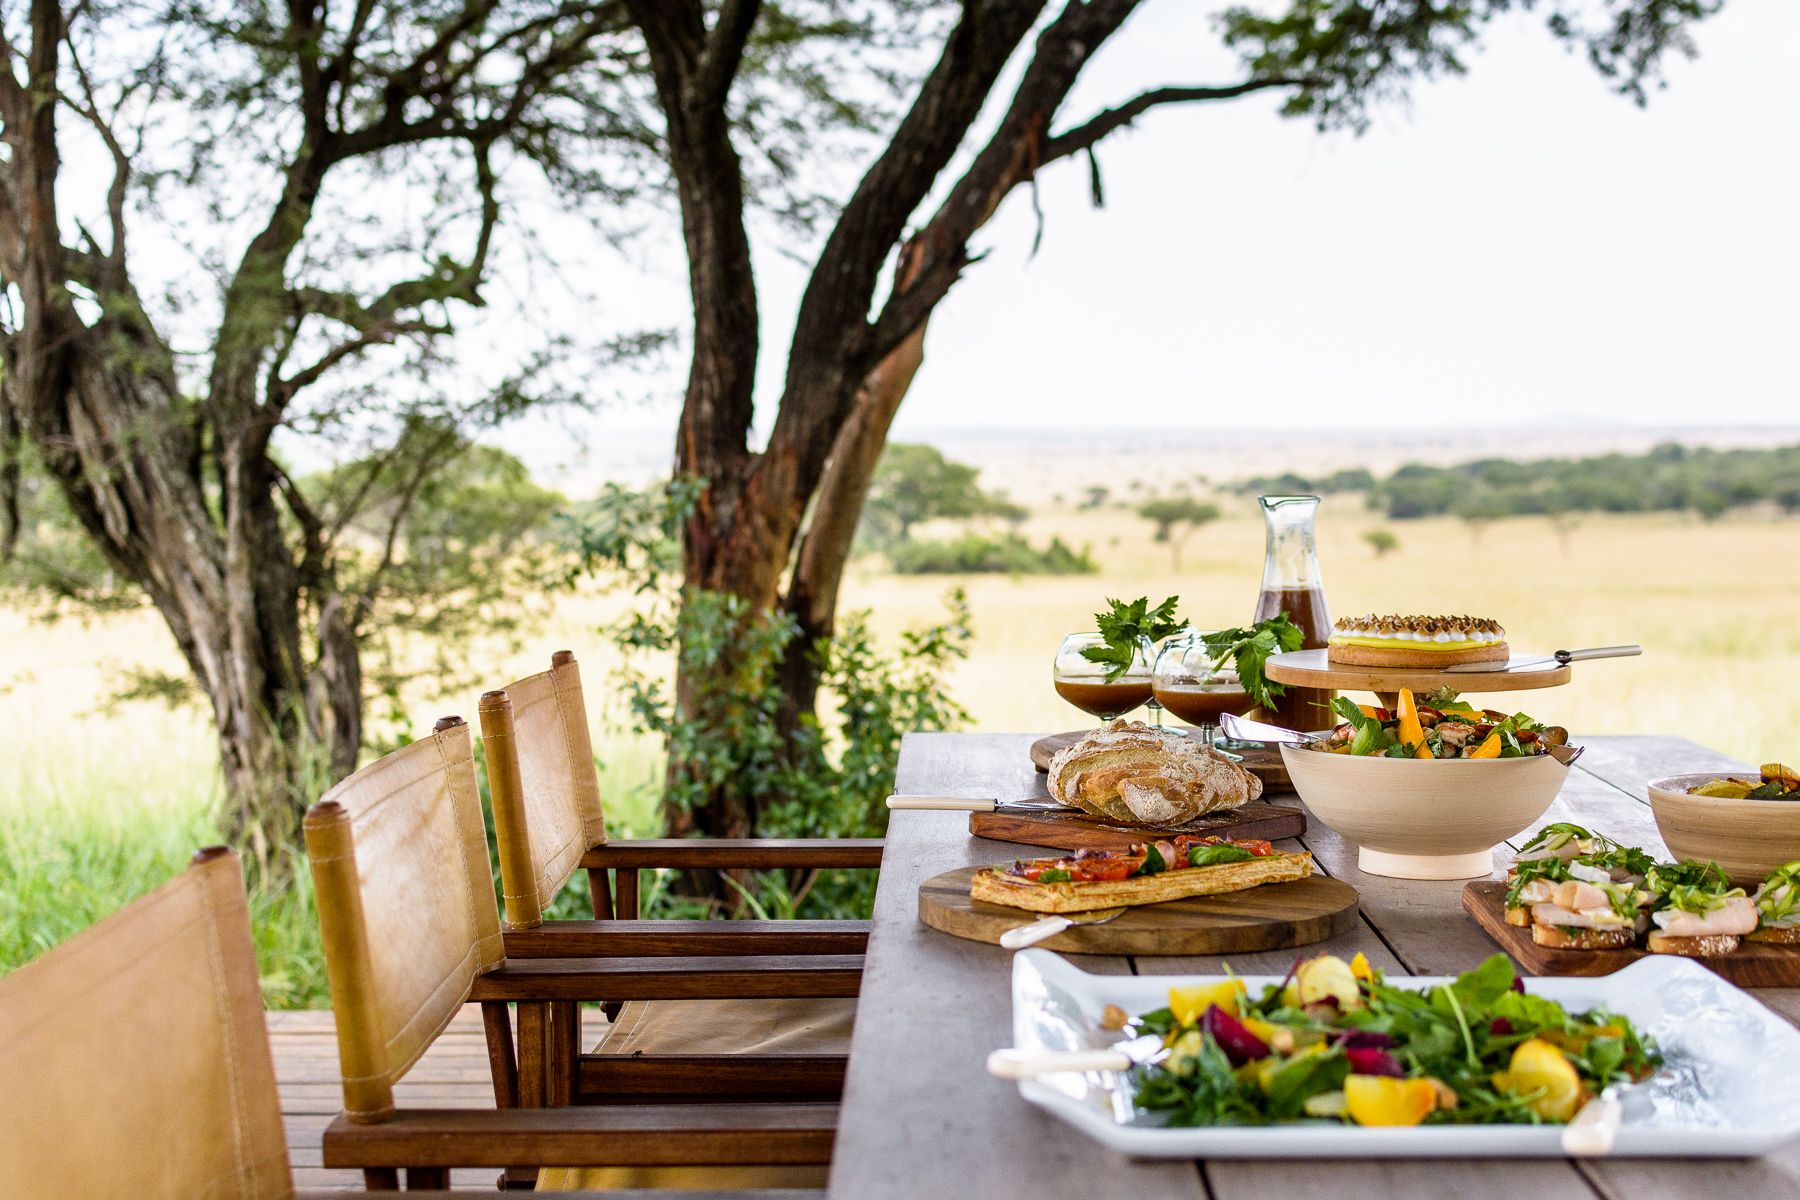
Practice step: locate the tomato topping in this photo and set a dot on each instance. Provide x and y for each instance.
(1257, 847)
(1104, 869)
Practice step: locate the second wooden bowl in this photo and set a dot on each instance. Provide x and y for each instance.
(1748, 838)
(1425, 820)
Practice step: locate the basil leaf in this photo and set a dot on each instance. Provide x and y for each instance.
(1054, 875)
(1153, 862)
(1218, 852)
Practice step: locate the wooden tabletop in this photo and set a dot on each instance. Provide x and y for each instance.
(922, 1120)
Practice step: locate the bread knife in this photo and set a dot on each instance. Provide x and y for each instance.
(1040, 804)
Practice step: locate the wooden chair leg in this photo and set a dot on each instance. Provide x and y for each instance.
(381, 1179)
(503, 1064)
(563, 1058)
(422, 1179)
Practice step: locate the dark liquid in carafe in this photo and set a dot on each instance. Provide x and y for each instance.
(1301, 708)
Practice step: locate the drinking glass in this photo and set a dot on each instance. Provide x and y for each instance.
(1084, 684)
(1199, 685)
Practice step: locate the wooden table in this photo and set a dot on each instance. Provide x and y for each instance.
(922, 1120)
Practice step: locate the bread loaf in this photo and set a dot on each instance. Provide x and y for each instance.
(1131, 772)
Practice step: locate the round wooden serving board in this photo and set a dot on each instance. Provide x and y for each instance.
(1264, 762)
(1311, 669)
(1271, 917)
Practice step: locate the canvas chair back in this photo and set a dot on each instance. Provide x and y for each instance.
(406, 907)
(136, 1057)
(542, 785)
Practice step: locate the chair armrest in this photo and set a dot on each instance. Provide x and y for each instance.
(659, 939)
(624, 1136)
(735, 977)
(735, 853)
(634, 1194)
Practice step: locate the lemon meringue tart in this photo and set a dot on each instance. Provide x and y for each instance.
(1429, 642)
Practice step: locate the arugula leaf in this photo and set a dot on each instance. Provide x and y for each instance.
(1251, 649)
(1125, 627)
(1300, 1078)
(1368, 737)
(1480, 987)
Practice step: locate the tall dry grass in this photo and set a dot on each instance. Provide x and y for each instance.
(97, 807)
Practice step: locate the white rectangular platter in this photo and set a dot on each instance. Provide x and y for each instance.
(1726, 1090)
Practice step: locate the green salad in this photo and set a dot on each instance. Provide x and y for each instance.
(1337, 1042)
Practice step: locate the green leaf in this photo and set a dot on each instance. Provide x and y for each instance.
(1125, 627)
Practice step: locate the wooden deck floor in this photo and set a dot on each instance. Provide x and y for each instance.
(453, 1074)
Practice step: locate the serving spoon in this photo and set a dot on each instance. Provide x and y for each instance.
(1245, 730)
(1049, 927)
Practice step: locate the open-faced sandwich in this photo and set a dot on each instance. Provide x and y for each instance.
(1778, 906)
(1415, 641)
(1589, 900)
(1131, 773)
(1579, 890)
(1147, 873)
(1698, 914)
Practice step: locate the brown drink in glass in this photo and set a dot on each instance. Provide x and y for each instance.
(1104, 700)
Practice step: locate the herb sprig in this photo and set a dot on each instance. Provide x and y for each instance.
(1125, 626)
(1251, 648)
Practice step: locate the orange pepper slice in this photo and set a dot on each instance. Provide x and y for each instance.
(1410, 731)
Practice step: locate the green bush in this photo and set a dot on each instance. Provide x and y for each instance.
(976, 554)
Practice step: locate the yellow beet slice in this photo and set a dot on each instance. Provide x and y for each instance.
(1384, 1100)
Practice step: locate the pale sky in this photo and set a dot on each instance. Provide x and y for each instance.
(1517, 246)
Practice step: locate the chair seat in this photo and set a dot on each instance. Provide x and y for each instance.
(796, 1026)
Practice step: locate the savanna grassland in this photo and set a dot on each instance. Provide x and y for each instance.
(97, 805)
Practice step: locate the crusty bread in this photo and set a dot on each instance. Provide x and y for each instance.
(1559, 937)
(1131, 773)
(1400, 656)
(1781, 935)
(997, 887)
(1710, 945)
(1520, 916)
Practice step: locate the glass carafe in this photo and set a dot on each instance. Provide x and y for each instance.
(1291, 583)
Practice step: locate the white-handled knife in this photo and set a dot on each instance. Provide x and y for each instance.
(1561, 658)
(1041, 804)
(1025, 1064)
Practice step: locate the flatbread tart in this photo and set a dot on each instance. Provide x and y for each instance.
(1150, 873)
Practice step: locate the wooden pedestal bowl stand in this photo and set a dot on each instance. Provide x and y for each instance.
(1312, 669)
(1274, 916)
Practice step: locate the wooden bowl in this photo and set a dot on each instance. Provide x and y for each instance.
(1436, 819)
(1748, 838)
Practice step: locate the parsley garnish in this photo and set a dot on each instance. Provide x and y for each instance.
(1125, 627)
(1251, 649)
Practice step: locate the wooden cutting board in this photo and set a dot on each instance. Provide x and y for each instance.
(1752, 964)
(1271, 917)
(1079, 831)
(1264, 762)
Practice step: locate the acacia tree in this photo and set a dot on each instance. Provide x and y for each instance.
(311, 127)
(774, 526)
(165, 443)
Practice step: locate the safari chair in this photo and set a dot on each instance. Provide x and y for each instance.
(549, 823)
(412, 932)
(138, 1063)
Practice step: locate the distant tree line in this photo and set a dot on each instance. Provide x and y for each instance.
(1669, 478)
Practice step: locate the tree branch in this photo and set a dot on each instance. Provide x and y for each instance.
(1090, 132)
(725, 48)
(429, 462)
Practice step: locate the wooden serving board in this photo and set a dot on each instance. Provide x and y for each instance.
(1312, 669)
(1079, 831)
(1264, 762)
(1752, 964)
(1271, 917)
